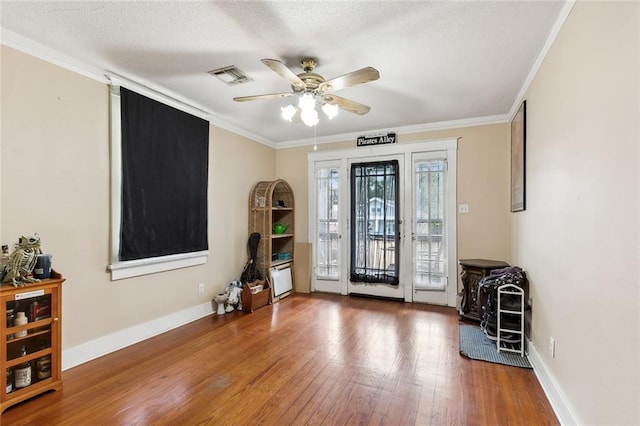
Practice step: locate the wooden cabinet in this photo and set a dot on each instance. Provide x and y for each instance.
(30, 354)
(471, 272)
(270, 203)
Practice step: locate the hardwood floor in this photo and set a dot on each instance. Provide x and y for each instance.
(308, 359)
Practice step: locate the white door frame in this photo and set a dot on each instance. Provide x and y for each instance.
(450, 145)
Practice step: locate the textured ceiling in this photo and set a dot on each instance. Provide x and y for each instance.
(440, 63)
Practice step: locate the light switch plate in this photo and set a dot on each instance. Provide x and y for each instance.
(463, 208)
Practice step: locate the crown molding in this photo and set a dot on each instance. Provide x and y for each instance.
(146, 89)
(218, 122)
(18, 42)
(553, 34)
(445, 125)
(56, 57)
(427, 127)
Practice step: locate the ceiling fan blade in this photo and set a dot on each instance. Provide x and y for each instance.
(360, 76)
(285, 72)
(346, 104)
(267, 96)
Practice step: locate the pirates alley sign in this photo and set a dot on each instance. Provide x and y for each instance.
(376, 139)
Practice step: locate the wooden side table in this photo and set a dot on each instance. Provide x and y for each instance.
(471, 272)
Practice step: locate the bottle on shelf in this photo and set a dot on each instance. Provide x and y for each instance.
(43, 364)
(10, 318)
(39, 309)
(43, 367)
(21, 319)
(9, 388)
(23, 372)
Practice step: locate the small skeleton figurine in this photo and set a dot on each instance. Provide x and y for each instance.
(22, 261)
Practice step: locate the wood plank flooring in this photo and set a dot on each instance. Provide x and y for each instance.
(308, 359)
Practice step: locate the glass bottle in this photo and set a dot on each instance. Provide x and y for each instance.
(43, 364)
(9, 380)
(23, 371)
(10, 317)
(21, 319)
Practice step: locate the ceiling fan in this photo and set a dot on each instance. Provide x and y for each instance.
(314, 88)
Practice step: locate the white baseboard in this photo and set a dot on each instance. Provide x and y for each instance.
(551, 388)
(103, 345)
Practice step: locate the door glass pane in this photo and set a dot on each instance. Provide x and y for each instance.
(374, 215)
(429, 254)
(328, 235)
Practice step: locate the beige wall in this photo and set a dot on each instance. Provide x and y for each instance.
(483, 183)
(578, 238)
(55, 181)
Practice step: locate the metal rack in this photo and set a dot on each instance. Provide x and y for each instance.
(510, 335)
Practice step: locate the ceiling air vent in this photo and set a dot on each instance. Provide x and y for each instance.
(231, 75)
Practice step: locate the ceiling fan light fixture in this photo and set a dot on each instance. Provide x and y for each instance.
(307, 102)
(288, 112)
(312, 88)
(309, 117)
(330, 110)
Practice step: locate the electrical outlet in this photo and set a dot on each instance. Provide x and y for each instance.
(552, 347)
(201, 288)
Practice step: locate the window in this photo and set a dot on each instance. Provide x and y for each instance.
(159, 185)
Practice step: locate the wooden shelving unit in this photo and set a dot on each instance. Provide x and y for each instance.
(31, 350)
(272, 202)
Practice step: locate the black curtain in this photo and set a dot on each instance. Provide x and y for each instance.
(165, 162)
(375, 233)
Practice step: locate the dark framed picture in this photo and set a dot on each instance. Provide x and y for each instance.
(518, 156)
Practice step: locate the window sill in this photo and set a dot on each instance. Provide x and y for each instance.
(135, 268)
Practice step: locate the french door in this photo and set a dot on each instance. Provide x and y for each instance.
(429, 228)
(329, 221)
(376, 193)
(384, 225)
